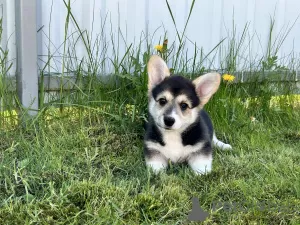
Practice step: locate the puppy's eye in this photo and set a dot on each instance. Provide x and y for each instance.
(162, 101)
(183, 106)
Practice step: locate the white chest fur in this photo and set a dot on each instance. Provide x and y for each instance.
(173, 148)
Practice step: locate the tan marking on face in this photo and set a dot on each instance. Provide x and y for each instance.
(166, 94)
(184, 99)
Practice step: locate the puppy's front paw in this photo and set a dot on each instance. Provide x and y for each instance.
(201, 165)
(201, 169)
(156, 166)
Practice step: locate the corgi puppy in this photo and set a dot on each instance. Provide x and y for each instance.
(178, 128)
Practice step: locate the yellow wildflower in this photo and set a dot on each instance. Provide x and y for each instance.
(130, 109)
(158, 47)
(228, 77)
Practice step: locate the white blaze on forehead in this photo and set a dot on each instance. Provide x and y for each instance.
(165, 94)
(185, 99)
(178, 120)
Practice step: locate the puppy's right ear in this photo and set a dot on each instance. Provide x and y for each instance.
(157, 71)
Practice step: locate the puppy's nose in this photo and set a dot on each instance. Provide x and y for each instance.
(169, 121)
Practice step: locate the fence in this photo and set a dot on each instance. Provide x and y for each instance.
(128, 21)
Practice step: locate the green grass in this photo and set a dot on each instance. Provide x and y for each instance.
(86, 167)
(80, 161)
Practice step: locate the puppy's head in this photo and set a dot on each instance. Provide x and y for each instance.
(174, 101)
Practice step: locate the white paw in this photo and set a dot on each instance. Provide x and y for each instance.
(156, 166)
(201, 170)
(201, 165)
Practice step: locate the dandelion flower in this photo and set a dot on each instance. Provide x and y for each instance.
(158, 47)
(228, 77)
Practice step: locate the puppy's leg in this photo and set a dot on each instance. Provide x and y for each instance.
(155, 161)
(201, 162)
(220, 144)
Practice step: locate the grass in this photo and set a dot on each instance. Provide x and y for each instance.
(80, 161)
(86, 169)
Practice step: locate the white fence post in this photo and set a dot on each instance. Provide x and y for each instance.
(27, 73)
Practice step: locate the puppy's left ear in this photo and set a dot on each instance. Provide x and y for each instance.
(206, 85)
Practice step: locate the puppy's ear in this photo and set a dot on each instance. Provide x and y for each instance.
(206, 85)
(157, 71)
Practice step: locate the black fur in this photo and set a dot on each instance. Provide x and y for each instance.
(151, 153)
(206, 150)
(200, 130)
(206, 119)
(153, 133)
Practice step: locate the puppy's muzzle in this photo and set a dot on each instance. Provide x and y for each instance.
(169, 121)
